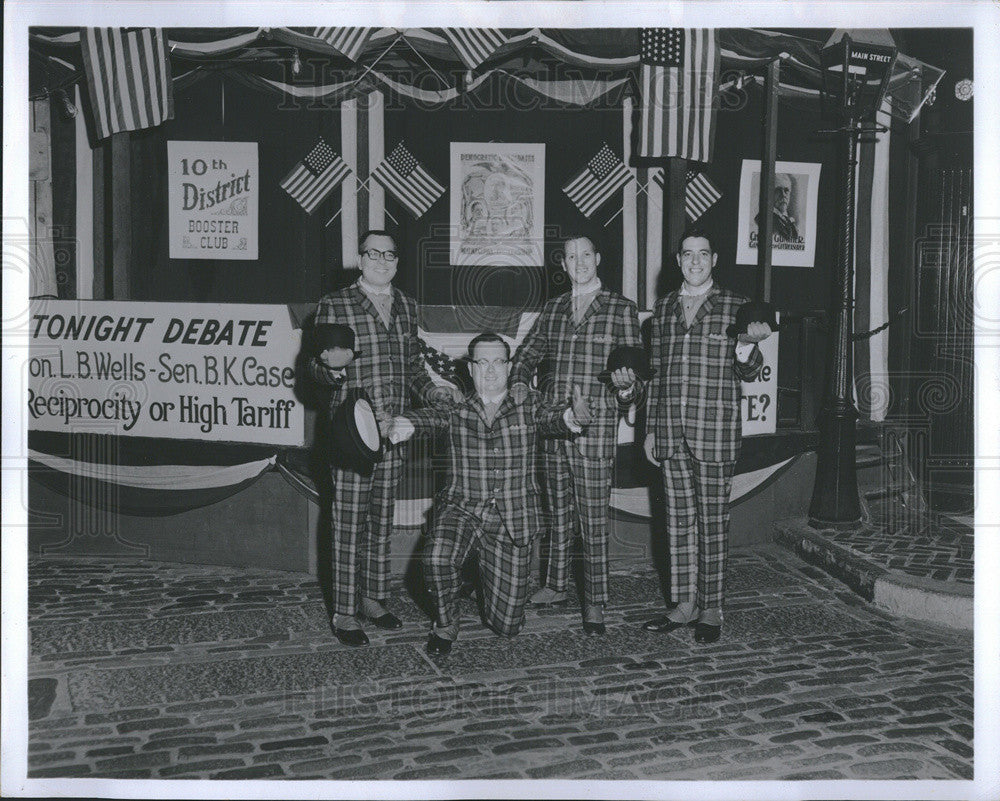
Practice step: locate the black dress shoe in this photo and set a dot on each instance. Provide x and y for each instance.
(438, 646)
(355, 638)
(705, 633)
(387, 621)
(663, 624)
(592, 629)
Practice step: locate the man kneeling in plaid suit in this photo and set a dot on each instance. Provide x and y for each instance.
(490, 501)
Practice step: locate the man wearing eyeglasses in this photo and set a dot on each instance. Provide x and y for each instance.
(577, 331)
(388, 366)
(490, 502)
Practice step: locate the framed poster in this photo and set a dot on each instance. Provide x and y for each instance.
(497, 203)
(213, 197)
(796, 189)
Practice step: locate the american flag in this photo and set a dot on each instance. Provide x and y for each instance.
(405, 177)
(604, 175)
(474, 45)
(700, 194)
(677, 84)
(440, 363)
(313, 178)
(128, 76)
(348, 41)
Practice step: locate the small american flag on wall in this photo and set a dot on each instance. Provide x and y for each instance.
(700, 194)
(313, 178)
(405, 177)
(602, 176)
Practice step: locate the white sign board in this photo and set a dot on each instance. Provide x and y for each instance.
(213, 196)
(759, 399)
(173, 370)
(497, 204)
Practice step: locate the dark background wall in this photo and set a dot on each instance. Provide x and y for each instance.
(300, 259)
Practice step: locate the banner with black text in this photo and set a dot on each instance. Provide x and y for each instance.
(173, 370)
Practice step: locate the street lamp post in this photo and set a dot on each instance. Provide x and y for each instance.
(855, 76)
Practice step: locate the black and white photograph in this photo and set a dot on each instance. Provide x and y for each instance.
(501, 400)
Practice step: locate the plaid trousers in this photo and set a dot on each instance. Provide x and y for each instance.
(697, 497)
(578, 491)
(504, 567)
(361, 523)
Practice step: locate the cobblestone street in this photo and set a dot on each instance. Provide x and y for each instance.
(152, 670)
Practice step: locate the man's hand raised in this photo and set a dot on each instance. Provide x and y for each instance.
(519, 392)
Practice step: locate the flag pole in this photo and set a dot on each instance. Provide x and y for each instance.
(369, 68)
(334, 217)
(613, 216)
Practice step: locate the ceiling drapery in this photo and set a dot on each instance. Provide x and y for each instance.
(575, 67)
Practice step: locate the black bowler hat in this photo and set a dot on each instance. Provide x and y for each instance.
(754, 311)
(627, 356)
(334, 335)
(355, 436)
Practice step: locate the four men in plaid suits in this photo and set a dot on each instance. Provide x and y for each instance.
(389, 365)
(693, 429)
(490, 501)
(576, 332)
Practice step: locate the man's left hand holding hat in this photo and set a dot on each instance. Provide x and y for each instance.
(756, 332)
(337, 358)
(335, 345)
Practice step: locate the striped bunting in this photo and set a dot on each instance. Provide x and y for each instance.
(474, 45)
(603, 175)
(405, 177)
(677, 83)
(313, 178)
(362, 146)
(347, 41)
(128, 76)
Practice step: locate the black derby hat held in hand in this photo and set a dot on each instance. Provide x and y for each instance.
(753, 311)
(627, 356)
(334, 335)
(355, 436)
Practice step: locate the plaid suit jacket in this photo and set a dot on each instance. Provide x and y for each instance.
(390, 362)
(695, 394)
(579, 353)
(494, 465)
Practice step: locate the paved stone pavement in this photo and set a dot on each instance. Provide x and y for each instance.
(151, 670)
(928, 545)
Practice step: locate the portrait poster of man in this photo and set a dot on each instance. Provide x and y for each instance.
(497, 203)
(793, 211)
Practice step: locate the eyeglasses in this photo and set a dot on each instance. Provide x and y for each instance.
(384, 255)
(485, 364)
